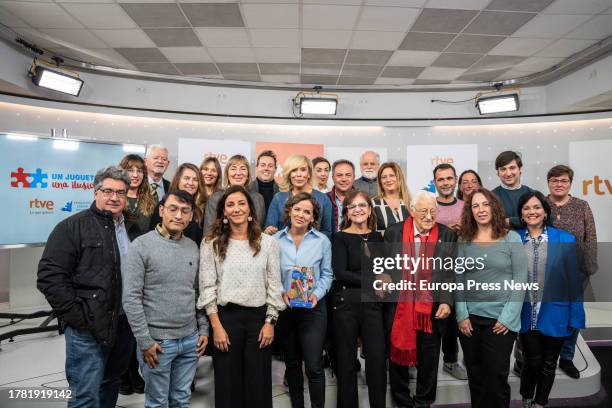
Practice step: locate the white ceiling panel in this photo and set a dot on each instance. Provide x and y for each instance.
(326, 39)
(285, 38)
(100, 15)
(42, 15)
(186, 54)
(232, 54)
(124, 38)
(596, 28)
(387, 18)
(278, 55)
(223, 37)
(271, 15)
(413, 58)
(377, 40)
(329, 17)
(550, 25)
(523, 47)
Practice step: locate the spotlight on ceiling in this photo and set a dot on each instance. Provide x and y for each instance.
(497, 104)
(56, 79)
(315, 103)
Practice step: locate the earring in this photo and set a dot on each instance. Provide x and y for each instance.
(249, 218)
(225, 221)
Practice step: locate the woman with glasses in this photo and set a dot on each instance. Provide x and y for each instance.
(241, 291)
(554, 310)
(574, 216)
(187, 177)
(297, 178)
(236, 173)
(211, 175)
(390, 206)
(357, 242)
(140, 203)
(305, 256)
(468, 181)
(489, 316)
(139, 207)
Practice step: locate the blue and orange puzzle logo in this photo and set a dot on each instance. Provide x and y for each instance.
(29, 180)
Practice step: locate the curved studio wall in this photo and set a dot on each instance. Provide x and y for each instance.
(544, 141)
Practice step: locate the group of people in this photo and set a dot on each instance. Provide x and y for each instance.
(157, 273)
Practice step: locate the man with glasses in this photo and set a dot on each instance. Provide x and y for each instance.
(159, 298)
(264, 184)
(417, 320)
(80, 274)
(573, 215)
(157, 162)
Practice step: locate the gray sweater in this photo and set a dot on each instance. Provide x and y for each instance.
(160, 289)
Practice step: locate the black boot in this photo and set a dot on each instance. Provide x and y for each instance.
(568, 367)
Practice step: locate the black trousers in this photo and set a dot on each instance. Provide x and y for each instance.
(487, 360)
(351, 319)
(540, 354)
(303, 334)
(243, 376)
(428, 355)
(450, 347)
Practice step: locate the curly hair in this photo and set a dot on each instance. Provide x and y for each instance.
(145, 201)
(348, 199)
(299, 197)
(220, 232)
(469, 227)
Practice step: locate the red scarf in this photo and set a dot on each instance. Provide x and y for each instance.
(414, 308)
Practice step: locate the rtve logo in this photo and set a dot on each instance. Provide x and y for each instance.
(598, 185)
(42, 204)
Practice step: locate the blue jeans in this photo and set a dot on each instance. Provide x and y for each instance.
(569, 346)
(169, 384)
(94, 371)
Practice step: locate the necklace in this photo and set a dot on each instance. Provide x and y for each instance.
(364, 242)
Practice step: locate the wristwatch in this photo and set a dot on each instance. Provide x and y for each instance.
(271, 320)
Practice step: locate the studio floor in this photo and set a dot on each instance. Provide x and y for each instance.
(37, 360)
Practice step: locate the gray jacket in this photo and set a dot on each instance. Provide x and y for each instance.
(367, 186)
(213, 201)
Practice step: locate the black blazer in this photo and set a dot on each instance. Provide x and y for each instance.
(446, 247)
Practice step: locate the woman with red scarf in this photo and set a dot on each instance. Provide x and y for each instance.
(417, 320)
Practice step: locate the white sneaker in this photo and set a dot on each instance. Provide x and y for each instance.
(527, 402)
(456, 370)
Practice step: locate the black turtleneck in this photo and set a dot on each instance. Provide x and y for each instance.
(266, 189)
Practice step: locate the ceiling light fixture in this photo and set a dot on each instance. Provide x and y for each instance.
(315, 103)
(498, 104)
(55, 78)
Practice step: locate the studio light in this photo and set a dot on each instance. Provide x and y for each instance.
(57, 80)
(318, 106)
(315, 103)
(498, 104)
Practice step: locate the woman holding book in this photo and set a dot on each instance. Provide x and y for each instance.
(306, 273)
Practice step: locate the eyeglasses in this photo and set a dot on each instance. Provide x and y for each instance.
(562, 182)
(362, 206)
(108, 192)
(173, 209)
(424, 211)
(134, 171)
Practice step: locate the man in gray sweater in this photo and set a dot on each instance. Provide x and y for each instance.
(159, 299)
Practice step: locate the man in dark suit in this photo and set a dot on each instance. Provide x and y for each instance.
(265, 169)
(157, 162)
(417, 319)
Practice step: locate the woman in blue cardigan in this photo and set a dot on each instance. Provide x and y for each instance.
(297, 178)
(552, 311)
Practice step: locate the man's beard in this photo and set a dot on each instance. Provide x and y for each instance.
(369, 174)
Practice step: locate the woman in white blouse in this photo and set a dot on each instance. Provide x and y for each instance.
(241, 290)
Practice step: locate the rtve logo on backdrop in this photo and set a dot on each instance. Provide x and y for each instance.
(597, 185)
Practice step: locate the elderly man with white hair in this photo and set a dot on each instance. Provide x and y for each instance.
(417, 319)
(369, 162)
(156, 160)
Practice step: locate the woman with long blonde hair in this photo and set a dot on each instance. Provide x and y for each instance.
(391, 205)
(297, 178)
